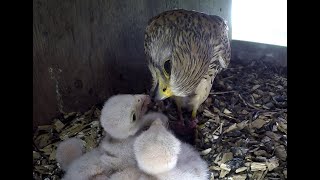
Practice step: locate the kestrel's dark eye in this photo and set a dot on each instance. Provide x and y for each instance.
(167, 67)
(133, 117)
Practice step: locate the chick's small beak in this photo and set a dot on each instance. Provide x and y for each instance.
(144, 107)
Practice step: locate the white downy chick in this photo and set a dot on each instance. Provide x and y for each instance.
(190, 166)
(133, 172)
(69, 150)
(120, 118)
(156, 149)
(159, 153)
(122, 122)
(87, 167)
(119, 152)
(121, 115)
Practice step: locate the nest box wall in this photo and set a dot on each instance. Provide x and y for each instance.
(86, 51)
(247, 51)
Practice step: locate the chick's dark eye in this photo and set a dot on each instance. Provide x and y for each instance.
(133, 117)
(167, 67)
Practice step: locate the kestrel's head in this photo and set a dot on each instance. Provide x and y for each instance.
(180, 45)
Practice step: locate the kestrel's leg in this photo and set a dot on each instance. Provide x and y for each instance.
(194, 120)
(193, 123)
(179, 126)
(178, 101)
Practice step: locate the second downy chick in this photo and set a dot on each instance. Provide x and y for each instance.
(69, 150)
(159, 153)
(133, 172)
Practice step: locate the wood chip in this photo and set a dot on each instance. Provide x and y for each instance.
(256, 96)
(241, 169)
(44, 128)
(282, 127)
(281, 152)
(52, 155)
(258, 123)
(226, 157)
(248, 164)
(225, 167)
(90, 143)
(242, 125)
(244, 112)
(239, 151)
(285, 173)
(48, 149)
(223, 173)
(36, 155)
(231, 128)
(259, 175)
(258, 166)
(272, 163)
(43, 169)
(239, 177)
(218, 159)
(215, 168)
(43, 140)
(95, 124)
(273, 135)
(215, 136)
(73, 130)
(58, 125)
(208, 114)
(226, 111)
(265, 139)
(260, 153)
(205, 152)
(69, 115)
(211, 176)
(255, 87)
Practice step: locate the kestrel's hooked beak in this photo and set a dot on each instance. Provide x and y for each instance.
(163, 90)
